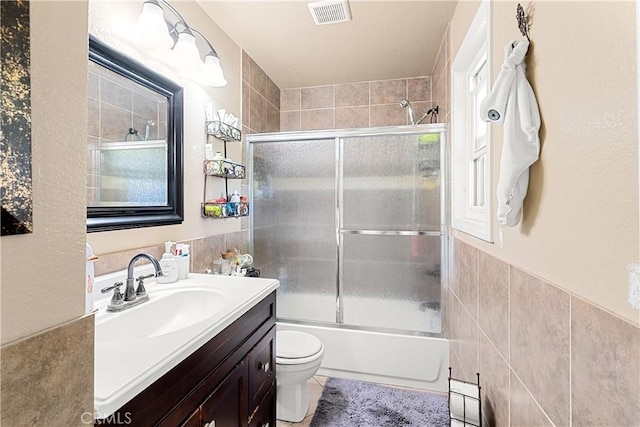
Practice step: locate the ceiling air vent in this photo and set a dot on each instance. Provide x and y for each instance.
(329, 11)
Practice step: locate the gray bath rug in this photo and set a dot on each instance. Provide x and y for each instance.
(349, 403)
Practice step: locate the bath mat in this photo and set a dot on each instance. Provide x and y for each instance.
(349, 403)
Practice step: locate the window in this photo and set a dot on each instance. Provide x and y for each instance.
(471, 148)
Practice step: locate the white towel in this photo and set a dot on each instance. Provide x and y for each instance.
(513, 103)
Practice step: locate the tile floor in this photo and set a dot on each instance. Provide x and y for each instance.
(316, 385)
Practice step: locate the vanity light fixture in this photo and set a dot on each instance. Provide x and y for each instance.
(211, 72)
(151, 28)
(186, 56)
(159, 30)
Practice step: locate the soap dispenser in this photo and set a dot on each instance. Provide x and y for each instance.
(169, 265)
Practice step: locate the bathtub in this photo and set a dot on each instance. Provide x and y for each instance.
(401, 360)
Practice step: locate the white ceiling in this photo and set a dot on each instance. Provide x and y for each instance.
(384, 39)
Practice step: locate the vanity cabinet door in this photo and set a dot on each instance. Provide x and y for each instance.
(195, 420)
(265, 415)
(262, 366)
(227, 405)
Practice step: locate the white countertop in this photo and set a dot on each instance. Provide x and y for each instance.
(125, 367)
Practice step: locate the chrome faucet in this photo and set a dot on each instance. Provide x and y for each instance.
(132, 296)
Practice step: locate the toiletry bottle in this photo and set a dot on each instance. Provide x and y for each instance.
(185, 259)
(168, 265)
(90, 276)
(235, 203)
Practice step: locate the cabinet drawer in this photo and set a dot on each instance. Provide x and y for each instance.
(262, 367)
(265, 415)
(225, 407)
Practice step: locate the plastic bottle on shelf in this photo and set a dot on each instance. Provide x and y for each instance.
(168, 265)
(235, 202)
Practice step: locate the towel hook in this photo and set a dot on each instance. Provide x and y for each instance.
(523, 22)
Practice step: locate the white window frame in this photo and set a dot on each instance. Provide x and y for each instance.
(466, 216)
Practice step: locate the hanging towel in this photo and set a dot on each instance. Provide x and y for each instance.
(513, 103)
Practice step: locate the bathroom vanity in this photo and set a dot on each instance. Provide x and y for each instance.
(215, 371)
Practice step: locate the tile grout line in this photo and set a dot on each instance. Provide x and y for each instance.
(570, 367)
(532, 398)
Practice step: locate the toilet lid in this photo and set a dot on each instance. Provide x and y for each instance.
(296, 345)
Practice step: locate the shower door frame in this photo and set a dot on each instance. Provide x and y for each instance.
(339, 135)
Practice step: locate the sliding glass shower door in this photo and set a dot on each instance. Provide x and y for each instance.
(390, 232)
(294, 216)
(350, 223)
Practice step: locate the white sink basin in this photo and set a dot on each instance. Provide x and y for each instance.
(167, 311)
(135, 347)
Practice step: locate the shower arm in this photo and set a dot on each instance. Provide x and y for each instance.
(433, 111)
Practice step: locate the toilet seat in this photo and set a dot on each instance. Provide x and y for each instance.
(294, 348)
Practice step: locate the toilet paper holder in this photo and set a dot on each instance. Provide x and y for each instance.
(465, 406)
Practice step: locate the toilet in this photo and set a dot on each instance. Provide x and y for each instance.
(298, 358)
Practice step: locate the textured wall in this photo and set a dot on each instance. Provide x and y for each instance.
(43, 272)
(47, 346)
(544, 316)
(580, 220)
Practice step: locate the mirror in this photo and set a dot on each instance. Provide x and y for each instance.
(135, 128)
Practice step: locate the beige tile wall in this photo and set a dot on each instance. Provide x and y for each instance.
(353, 105)
(203, 252)
(47, 378)
(260, 99)
(545, 357)
(440, 78)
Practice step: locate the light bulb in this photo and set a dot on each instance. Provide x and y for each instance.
(211, 73)
(186, 56)
(151, 28)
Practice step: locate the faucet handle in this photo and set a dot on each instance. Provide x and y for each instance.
(115, 286)
(140, 290)
(117, 299)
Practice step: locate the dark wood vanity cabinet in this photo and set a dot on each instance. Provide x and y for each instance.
(229, 382)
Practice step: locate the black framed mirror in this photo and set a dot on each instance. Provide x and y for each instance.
(135, 144)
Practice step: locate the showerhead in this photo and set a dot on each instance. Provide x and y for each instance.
(405, 104)
(150, 124)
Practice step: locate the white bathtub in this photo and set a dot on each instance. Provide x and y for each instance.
(402, 360)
